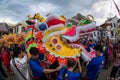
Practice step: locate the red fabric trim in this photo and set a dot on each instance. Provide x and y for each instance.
(54, 22)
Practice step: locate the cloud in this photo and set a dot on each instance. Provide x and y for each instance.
(7, 20)
(17, 11)
(102, 10)
(43, 8)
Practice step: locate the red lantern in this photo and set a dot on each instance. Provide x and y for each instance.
(50, 58)
(28, 43)
(31, 41)
(35, 41)
(39, 35)
(41, 49)
(62, 61)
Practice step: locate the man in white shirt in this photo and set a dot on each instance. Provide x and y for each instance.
(19, 64)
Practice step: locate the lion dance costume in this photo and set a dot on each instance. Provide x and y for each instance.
(58, 38)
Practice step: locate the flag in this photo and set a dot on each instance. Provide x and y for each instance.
(116, 7)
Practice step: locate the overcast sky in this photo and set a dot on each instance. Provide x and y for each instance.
(14, 11)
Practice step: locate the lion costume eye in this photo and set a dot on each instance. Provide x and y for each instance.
(43, 26)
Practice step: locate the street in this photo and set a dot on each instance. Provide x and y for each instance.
(102, 76)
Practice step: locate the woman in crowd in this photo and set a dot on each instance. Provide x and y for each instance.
(2, 70)
(6, 59)
(116, 65)
(19, 64)
(110, 52)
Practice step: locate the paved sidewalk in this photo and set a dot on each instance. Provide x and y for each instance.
(102, 76)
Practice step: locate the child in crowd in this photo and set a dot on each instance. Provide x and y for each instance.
(95, 65)
(6, 59)
(68, 73)
(19, 64)
(37, 69)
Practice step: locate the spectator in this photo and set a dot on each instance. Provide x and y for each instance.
(109, 53)
(104, 51)
(6, 59)
(116, 65)
(1, 78)
(2, 70)
(84, 41)
(69, 74)
(19, 64)
(37, 69)
(89, 45)
(94, 43)
(95, 65)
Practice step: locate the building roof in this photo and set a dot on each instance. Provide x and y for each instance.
(76, 19)
(10, 24)
(106, 24)
(109, 19)
(4, 27)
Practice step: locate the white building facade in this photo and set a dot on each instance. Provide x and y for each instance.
(108, 29)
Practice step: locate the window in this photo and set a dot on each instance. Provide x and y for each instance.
(17, 29)
(105, 33)
(94, 33)
(98, 33)
(11, 30)
(114, 25)
(116, 34)
(112, 33)
(23, 29)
